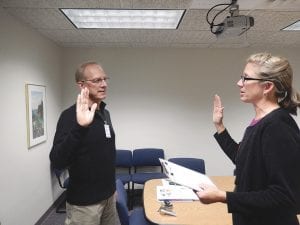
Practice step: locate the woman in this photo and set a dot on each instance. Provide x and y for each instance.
(268, 157)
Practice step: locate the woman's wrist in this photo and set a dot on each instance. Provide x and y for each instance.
(222, 196)
(220, 128)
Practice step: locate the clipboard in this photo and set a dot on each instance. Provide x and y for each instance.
(184, 176)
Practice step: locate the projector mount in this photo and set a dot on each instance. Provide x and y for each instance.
(243, 23)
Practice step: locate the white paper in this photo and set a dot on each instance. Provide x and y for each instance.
(175, 193)
(184, 176)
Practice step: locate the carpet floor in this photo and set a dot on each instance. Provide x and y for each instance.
(54, 218)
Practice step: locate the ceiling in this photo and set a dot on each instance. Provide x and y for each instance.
(270, 17)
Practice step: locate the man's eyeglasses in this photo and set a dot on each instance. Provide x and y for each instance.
(244, 78)
(98, 80)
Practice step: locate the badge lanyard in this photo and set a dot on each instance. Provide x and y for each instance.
(106, 125)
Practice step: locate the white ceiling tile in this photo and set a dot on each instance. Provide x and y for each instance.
(41, 18)
(72, 3)
(158, 36)
(273, 21)
(244, 5)
(115, 4)
(280, 5)
(75, 44)
(64, 35)
(280, 38)
(193, 31)
(242, 39)
(189, 45)
(111, 44)
(24, 3)
(93, 45)
(149, 45)
(199, 37)
(161, 4)
(194, 20)
(110, 35)
(225, 45)
(50, 4)
(286, 5)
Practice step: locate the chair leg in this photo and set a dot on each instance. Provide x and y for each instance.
(131, 197)
(128, 194)
(128, 187)
(60, 210)
(61, 207)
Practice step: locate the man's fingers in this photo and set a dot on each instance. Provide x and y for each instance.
(93, 108)
(86, 93)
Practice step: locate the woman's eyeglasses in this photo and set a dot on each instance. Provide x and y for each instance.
(244, 78)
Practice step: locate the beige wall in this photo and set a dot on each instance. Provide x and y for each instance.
(27, 188)
(157, 98)
(163, 97)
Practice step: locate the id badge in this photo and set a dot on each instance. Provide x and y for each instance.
(107, 131)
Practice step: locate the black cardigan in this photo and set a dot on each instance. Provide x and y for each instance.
(88, 154)
(267, 171)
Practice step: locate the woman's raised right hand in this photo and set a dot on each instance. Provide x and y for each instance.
(218, 114)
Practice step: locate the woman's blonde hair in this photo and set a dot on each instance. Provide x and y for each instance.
(278, 70)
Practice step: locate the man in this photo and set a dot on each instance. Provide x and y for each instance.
(84, 143)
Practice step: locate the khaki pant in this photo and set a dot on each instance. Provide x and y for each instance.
(103, 213)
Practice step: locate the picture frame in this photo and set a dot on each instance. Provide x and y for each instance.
(36, 114)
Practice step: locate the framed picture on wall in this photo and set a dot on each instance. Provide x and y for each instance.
(36, 114)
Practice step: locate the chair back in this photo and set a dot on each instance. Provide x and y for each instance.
(122, 203)
(124, 165)
(147, 156)
(195, 164)
(123, 158)
(63, 181)
(146, 167)
(62, 178)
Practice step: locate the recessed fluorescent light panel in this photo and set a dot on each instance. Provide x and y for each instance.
(127, 19)
(293, 26)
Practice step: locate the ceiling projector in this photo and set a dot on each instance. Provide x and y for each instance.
(234, 26)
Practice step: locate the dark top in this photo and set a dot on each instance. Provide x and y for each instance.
(267, 171)
(88, 154)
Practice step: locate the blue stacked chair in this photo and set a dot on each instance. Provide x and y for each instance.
(124, 161)
(136, 216)
(63, 180)
(195, 164)
(146, 165)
